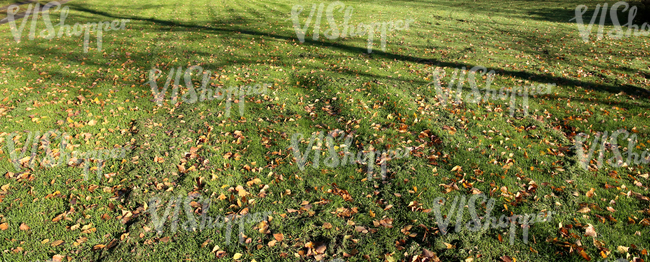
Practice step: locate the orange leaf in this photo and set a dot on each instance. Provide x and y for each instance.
(278, 237)
(584, 255)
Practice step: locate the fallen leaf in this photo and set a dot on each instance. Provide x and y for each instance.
(591, 231)
(590, 193)
(112, 244)
(584, 210)
(57, 258)
(278, 237)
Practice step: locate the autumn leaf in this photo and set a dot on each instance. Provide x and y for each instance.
(278, 236)
(590, 231)
(112, 244)
(584, 210)
(24, 227)
(590, 193)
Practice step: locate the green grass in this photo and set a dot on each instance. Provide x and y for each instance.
(24, 6)
(322, 85)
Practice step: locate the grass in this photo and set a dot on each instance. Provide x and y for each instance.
(322, 85)
(22, 6)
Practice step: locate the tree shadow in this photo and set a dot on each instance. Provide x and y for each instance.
(386, 55)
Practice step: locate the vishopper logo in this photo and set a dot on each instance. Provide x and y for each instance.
(206, 222)
(617, 160)
(476, 224)
(20, 160)
(617, 33)
(368, 157)
(49, 32)
(205, 92)
(333, 33)
(475, 96)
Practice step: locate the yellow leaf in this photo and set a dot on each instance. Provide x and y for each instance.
(237, 256)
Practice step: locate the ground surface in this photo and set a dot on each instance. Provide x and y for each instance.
(102, 100)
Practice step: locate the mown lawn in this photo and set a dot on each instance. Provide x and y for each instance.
(102, 99)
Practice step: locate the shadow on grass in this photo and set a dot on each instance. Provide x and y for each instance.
(386, 55)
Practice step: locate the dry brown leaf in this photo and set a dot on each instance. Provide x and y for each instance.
(24, 227)
(57, 258)
(591, 231)
(584, 210)
(57, 218)
(278, 236)
(321, 249)
(590, 193)
(56, 243)
(112, 244)
(4, 226)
